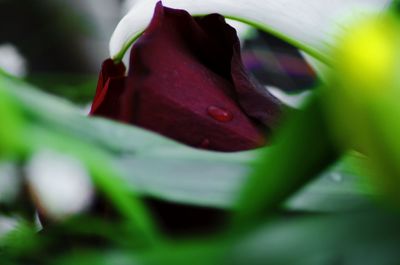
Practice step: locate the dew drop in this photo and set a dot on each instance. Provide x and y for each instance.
(219, 114)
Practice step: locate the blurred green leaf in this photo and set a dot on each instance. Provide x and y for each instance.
(209, 183)
(303, 148)
(365, 238)
(341, 188)
(36, 135)
(369, 238)
(181, 174)
(362, 99)
(190, 176)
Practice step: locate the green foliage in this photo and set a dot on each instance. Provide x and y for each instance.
(279, 195)
(289, 164)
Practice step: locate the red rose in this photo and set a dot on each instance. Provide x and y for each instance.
(186, 81)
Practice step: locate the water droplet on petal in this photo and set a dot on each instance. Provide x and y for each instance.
(205, 144)
(219, 114)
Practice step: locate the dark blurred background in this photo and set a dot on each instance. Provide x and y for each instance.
(59, 35)
(62, 42)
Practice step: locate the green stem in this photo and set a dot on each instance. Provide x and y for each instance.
(303, 148)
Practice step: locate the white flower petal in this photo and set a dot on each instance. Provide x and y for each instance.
(128, 4)
(309, 24)
(12, 61)
(60, 184)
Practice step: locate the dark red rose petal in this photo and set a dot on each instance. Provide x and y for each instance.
(187, 81)
(179, 69)
(109, 89)
(254, 99)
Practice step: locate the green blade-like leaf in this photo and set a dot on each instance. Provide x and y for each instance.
(303, 149)
(357, 239)
(154, 166)
(34, 136)
(367, 238)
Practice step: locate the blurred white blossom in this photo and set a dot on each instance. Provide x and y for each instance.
(12, 61)
(60, 184)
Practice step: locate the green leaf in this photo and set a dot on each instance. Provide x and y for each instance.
(342, 188)
(152, 165)
(46, 125)
(211, 183)
(368, 238)
(303, 148)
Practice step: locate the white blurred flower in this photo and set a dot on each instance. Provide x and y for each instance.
(12, 61)
(60, 184)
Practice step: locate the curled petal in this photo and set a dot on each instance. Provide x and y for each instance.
(187, 82)
(308, 24)
(109, 88)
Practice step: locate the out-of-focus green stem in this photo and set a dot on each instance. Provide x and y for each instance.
(302, 149)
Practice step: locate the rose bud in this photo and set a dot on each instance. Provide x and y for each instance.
(186, 81)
